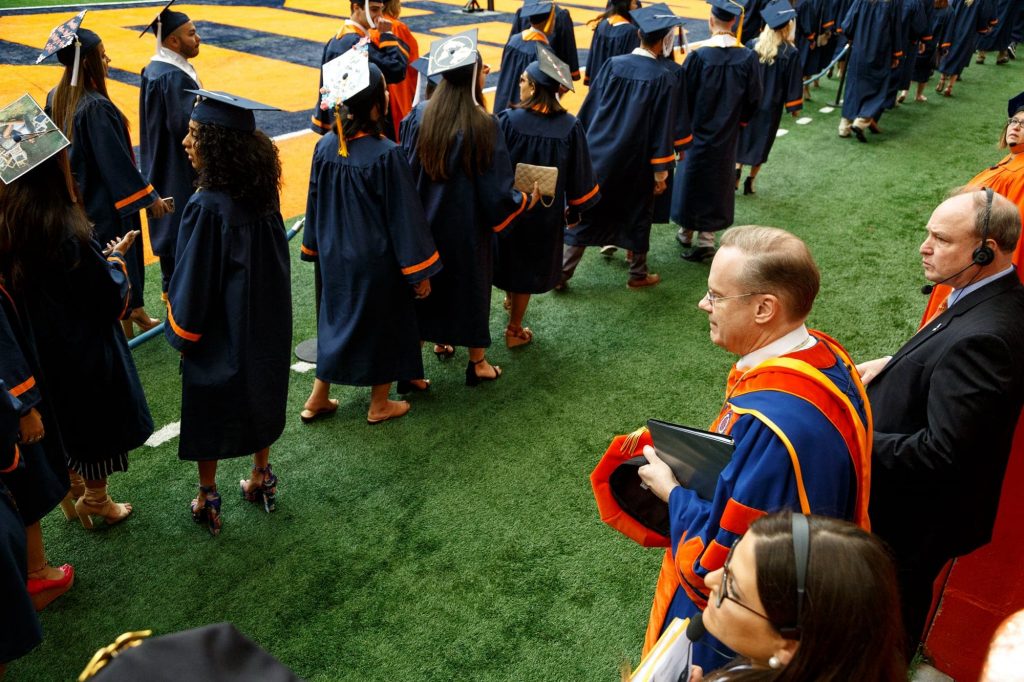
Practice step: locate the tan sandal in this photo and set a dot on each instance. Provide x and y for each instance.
(517, 336)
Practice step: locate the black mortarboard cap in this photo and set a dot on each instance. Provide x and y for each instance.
(654, 18)
(62, 39)
(422, 65)
(778, 13)
(169, 20)
(533, 9)
(725, 10)
(227, 111)
(1015, 105)
(452, 53)
(549, 71)
(213, 652)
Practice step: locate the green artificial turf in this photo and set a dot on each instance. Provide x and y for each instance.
(462, 541)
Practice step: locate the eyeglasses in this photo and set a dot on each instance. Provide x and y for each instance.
(1015, 122)
(711, 298)
(723, 592)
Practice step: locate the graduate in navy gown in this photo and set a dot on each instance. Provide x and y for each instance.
(539, 131)
(366, 227)
(229, 306)
(560, 32)
(1000, 38)
(20, 631)
(629, 118)
(915, 19)
(779, 64)
(928, 51)
(872, 28)
(682, 136)
(71, 293)
(164, 110)
(102, 158)
(970, 20)
(465, 180)
(425, 86)
(366, 26)
(520, 51)
(614, 34)
(723, 90)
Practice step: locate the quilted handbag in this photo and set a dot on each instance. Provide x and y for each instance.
(546, 178)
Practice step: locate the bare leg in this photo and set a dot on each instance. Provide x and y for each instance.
(483, 369)
(97, 501)
(381, 408)
(518, 309)
(38, 567)
(754, 170)
(319, 401)
(920, 93)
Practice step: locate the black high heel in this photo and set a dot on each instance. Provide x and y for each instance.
(748, 186)
(473, 379)
(404, 387)
(209, 513)
(446, 353)
(265, 492)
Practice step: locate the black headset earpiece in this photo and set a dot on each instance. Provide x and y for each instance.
(983, 255)
(801, 556)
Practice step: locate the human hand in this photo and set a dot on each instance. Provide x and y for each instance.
(31, 427)
(121, 245)
(696, 673)
(869, 370)
(422, 288)
(534, 196)
(660, 184)
(657, 475)
(159, 208)
(384, 25)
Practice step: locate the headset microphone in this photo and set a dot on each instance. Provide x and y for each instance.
(927, 288)
(982, 256)
(696, 630)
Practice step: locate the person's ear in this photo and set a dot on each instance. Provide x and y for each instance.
(768, 309)
(787, 651)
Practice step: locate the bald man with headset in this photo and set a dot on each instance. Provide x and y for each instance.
(946, 404)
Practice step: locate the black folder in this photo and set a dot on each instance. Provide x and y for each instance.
(696, 457)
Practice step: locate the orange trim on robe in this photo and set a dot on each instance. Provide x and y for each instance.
(795, 103)
(413, 269)
(583, 199)
(148, 189)
(14, 463)
(26, 385)
(515, 213)
(403, 93)
(187, 335)
(534, 36)
(663, 159)
(737, 517)
(308, 251)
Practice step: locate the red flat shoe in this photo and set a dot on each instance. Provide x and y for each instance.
(43, 591)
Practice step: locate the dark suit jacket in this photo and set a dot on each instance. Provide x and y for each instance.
(945, 408)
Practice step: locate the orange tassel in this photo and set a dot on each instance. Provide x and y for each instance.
(342, 145)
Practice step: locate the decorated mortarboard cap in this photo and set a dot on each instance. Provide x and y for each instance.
(346, 76)
(448, 54)
(725, 10)
(532, 9)
(422, 65)
(654, 18)
(227, 111)
(1015, 105)
(27, 138)
(62, 36)
(549, 71)
(213, 652)
(778, 13)
(166, 22)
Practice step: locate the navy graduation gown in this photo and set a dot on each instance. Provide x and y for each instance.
(409, 129)
(783, 90)
(614, 36)
(164, 111)
(113, 189)
(628, 116)
(464, 212)
(809, 20)
(965, 27)
(42, 481)
(682, 137)
(913, 26)
(229, 312)
(516, 56)
(529, 258)
(385, 51)
(927, 59)
(752, 20)
(562, 38)
(872, 28)
(365, 225)
(723, 91)
(20, 631)
(1000, 37)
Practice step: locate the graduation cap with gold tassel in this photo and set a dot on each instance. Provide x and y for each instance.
(344, 77)
(727, 10)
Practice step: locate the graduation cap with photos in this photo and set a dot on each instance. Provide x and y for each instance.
(549, 70)
(61, 40)
(654, 18)
(28, 137)
(1015, 105)
(344, 77)
(225, 110)
(448, 54)
(166, 22)
(778, 13)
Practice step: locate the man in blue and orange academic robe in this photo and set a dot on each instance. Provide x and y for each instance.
(796, 411)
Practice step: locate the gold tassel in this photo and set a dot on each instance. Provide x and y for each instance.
(342, 145)
(104, 655)
(549, 25)
(739, 28)
(629, 445)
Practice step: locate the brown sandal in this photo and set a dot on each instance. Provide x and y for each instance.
(517, 336)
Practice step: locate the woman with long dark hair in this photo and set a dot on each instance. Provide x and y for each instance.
(464, 177)
(229, 307)
(71, 296)
(844, 624)
(615, 33)
(102, 158)
(366, 228)
(779, 64)
(539, 131)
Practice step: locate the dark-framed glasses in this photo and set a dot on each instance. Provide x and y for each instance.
(723, 592)
(1015, 123)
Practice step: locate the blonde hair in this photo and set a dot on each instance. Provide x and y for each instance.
(771, 40)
